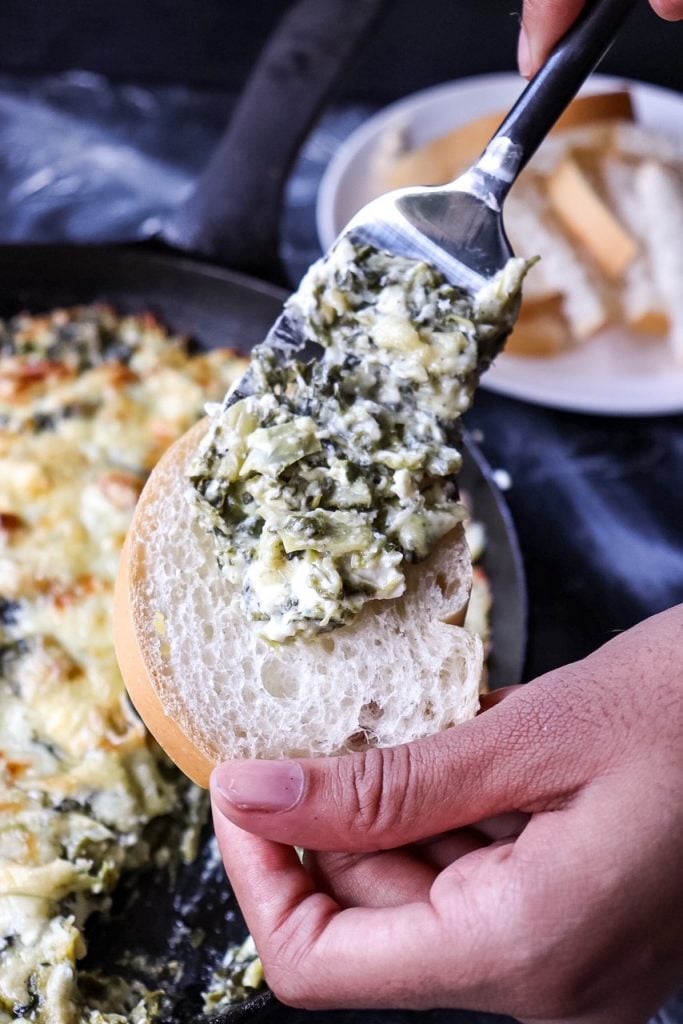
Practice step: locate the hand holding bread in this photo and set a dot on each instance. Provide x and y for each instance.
(525, 863)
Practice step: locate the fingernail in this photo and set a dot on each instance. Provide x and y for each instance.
(524, 54)
(260, 785)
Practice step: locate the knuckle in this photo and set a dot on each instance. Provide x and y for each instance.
(290, 956)
(296, 986)
(284, 968)
(281, 982)
(287, 984)
(375, 789)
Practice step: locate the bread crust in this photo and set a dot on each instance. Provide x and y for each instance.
(141, 689)
(129, 644)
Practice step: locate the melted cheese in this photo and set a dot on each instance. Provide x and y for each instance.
(88, 402)
(331, 475)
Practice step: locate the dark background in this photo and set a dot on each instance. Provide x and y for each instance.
(212, 43)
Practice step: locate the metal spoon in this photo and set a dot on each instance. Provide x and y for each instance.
(458, 228)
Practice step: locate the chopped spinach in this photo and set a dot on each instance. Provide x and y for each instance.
(332, 474)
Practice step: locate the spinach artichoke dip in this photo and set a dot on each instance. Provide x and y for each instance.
(332, 474)
(88, 402)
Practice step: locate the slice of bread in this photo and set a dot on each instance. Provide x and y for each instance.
(660, 194)
(533, 228)
(588, 218)
(209, 689)
(643, 307)
(541, 329)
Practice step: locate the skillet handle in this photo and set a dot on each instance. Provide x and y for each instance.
(233, 214)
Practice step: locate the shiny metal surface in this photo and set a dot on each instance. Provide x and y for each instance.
(458, 228)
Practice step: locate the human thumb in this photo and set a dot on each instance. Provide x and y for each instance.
(524, 754)
(544, 22)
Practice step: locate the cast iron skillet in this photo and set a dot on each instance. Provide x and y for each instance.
(233, 217)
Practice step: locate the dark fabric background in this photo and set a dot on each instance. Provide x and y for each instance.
(212, 43)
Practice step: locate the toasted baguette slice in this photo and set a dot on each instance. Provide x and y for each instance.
(642, 305)
(209, 689)
(587, 217)
(541, 329)
(533, 228)
(660, 193)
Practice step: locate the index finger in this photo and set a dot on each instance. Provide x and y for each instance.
(318, 956)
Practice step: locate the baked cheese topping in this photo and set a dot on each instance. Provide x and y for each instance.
(332, 474)
(88, 403)
(239, 976)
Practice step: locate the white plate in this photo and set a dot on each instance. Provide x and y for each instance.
(614, 373)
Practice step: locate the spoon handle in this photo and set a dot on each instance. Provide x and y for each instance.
(551, 91)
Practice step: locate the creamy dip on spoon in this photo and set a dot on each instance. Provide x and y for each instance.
(333, 474)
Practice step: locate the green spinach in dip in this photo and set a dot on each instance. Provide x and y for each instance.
(333, 474)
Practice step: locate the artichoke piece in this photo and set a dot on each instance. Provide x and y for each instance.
(272, 449)
(334, 532)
